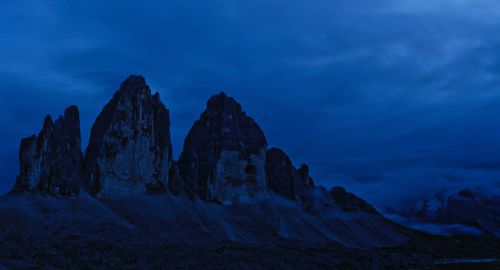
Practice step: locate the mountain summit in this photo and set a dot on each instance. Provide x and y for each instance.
(51, 162)
(129, 149)
(224, 154)
(225, 157)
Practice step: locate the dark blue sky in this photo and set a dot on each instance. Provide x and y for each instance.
(391, 98)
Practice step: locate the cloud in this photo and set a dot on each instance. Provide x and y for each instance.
(435, 228)
(388, 104)
(442, 7)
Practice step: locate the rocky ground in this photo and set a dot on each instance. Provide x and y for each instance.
(40, 232)
(77, 252)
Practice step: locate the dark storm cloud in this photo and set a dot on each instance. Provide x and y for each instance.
(393, 99)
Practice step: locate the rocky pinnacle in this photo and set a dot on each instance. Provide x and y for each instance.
(224, 154)
(225, 157)
(129, 151)
(51, 162)
(283, 178)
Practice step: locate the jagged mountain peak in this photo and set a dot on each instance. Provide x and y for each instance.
(227, 120)
(284, 179)
(222, 103)
(280, 173)
(224, 153)
(129, 149)
(47, 122)
(134, 84)
(70, 120)
(71, 111)
(51, 162)
(225, 156)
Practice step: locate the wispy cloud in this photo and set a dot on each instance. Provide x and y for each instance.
(443, 7)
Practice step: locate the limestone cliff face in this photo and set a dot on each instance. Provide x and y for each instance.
(51, 162)
(224, 154)
(283, 178)
(129, 150)
(225, 157)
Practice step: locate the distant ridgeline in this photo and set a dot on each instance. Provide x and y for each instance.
(226, 158)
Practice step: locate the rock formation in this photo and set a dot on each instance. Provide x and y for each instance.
(224, 154)
(129, 150)
(51, 162)
(350, 202)
(225, 157)
(306, 178)
(283, 178)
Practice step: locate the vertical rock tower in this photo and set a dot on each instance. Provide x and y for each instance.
(225, 157)
(224, 154)
(129, 151)
(51, 162)
(283, 178)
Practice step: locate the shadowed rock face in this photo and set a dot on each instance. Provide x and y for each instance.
(306, 178)
(51, 162)
(130, 150)
(283, 178)
(350, 202)
(224, 154)
(175, 183)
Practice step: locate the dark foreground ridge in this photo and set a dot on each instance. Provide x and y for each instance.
(229, 202)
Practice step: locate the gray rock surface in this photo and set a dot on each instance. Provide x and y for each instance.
(224, 154)
(51, 162)
(130, 150)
